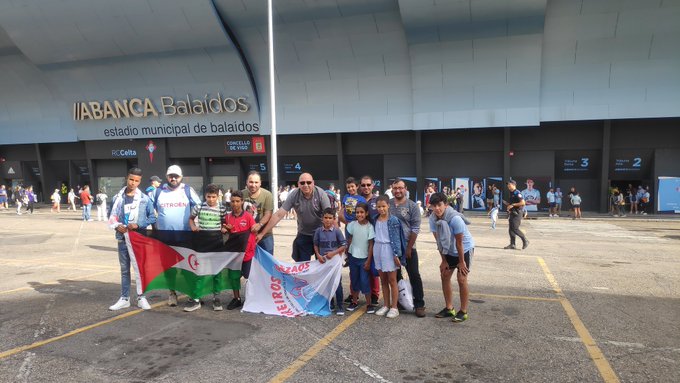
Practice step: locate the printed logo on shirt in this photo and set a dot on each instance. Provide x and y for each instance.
(173, 204)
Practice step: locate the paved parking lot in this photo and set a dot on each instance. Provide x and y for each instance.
(590, 300)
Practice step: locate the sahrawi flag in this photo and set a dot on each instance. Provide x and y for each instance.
(291, 289)
(194, 263)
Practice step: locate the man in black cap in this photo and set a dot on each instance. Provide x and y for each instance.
(155, 182)
(515, 212)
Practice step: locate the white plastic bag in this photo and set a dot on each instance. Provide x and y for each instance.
(405, 294)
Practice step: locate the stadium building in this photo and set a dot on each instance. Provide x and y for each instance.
(565, 93)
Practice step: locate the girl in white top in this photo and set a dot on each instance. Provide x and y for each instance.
(56, 201)
(576, 203)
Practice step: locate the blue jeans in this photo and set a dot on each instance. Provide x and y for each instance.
(124, 260)
(86, 212)
(267, 243)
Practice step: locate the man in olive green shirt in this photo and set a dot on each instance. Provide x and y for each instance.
(260, 203)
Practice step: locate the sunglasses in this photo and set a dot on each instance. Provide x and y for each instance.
(306, 182)
(366, 185)
(175, 176)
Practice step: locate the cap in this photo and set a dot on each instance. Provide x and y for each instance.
(512, 182)
(156, 178)
(174, 169)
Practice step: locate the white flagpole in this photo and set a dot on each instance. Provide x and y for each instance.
(273, 169)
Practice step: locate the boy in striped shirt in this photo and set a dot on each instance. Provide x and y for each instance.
(210, 215)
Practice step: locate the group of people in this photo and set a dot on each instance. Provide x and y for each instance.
(23, 197)
(378, 239)
(175, 206)
(637, 199)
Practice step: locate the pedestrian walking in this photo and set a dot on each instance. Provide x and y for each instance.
(515, 207)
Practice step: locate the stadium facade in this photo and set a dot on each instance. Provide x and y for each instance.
(567, 93)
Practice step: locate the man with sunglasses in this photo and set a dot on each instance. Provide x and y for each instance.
(308, 201)
(366, 190)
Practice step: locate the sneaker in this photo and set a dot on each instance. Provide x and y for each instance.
(644, 213)
(348, 299)
(217, 304)
(510, 247)
(382, 311)
(340, 312)
(172, 299)
(352, 307)
(460, 317)
(122, 303)
(234, 304)
(192, 305)
(143, 304)
(525, 245)
(393, 313)
(445, 313)
(370, 309)
(374, 300)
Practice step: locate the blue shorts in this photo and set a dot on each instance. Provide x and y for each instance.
(358, 276)
(552, 204)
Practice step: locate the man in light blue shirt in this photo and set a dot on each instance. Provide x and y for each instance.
(456, 247)
(173, 203)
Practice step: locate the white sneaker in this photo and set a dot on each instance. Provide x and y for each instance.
(143, 304)
(122, 303)
(382, 311)
(393, 313)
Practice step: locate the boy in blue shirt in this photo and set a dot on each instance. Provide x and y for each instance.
(329, 242)
(456, 247)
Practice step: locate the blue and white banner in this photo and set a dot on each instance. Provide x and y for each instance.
(291, 289)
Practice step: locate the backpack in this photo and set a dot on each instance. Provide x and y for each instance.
(331, 198)
(98, 200)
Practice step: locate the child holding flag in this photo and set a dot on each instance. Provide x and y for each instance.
(239, 221)
(329, 242)
(210, 216)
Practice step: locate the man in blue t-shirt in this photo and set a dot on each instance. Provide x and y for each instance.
(173, 202)
(456, 247)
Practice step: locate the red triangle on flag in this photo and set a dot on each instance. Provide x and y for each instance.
(153, 257)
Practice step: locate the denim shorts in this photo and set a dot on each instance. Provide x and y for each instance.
(358, 276)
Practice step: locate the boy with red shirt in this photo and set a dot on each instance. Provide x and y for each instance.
(236, 222)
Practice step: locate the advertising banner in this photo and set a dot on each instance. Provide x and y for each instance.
(669, 194)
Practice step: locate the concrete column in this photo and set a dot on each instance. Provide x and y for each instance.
(419, 167)
(46, 192)
(339, 150)
(604, 174)
(506, 156)
(204, 173)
